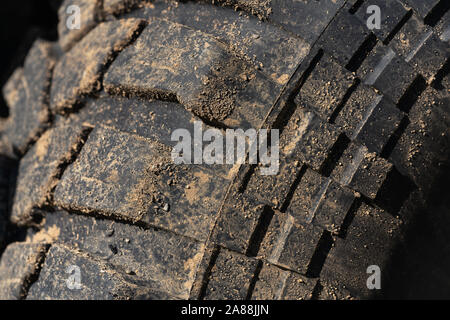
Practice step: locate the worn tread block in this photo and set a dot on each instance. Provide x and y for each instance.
(191, 67)
(253, 104)
(19, 263)
(320, 201)
(289, 244)
(230, 276)
(90, 14)
(277, 284)
(423, 147)
(392, 13)
(98, 280)
(387, 72)
(298, 16)
(166, 261)
(343, 37)
(39, 169)
(307, 138)
(431, 57)
(29, 109)
(361, 170)
(269, 48)
(325, 87)
(370, 240)
(80, 71)
(129, 177)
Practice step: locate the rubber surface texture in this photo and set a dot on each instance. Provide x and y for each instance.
(85, 154)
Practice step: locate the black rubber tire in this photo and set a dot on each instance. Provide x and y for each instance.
(363, 118)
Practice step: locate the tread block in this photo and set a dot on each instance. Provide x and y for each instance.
(98, 281)
(29, 109)
(392, 13)
(39, 169)
(90, 14)
(230, 276)
(333, 291)
(79, 72)
(272, 190)
(411, 38)
(369, 118)
(20, 261)
(325, 87)
(245, 212)
(431, 57)
(320, 201)
(423, 7)
(13, 90)
(16, 98)
(307, 138)
(155, 120)
(297, 16)
(443, 28)
(272, 50)
(120, 6)
(423, 147)
(387, 72)
(357, 110)
(343, 37)
(259, 8)
(278, 284)
(166, 261)
(289, 244)
(237, 221)
(370, 239)
(10, 289)
(191, 67)
(361, 170)
(384, 120)
(128, 177)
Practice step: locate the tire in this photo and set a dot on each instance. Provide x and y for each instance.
(363, 121)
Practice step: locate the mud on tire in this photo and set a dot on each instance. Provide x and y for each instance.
(85, 153)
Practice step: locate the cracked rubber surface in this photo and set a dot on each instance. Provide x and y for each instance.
(85, 154)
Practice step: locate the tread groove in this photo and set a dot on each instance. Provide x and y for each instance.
(207, 274)
(320, 255)
(437, 13)
(259, 232)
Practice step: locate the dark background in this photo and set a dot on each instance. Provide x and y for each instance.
(21, 22)
(420, 271)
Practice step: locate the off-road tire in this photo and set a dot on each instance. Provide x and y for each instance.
(363, 117)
